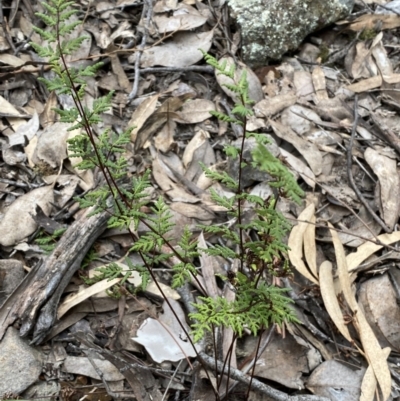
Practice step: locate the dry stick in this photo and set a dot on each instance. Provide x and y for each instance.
(147, 11)
(257, 385)
(350, 173)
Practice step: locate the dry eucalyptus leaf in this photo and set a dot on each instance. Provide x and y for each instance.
(165, 136)
(308, 150)
(196, 111)
(141, 114)
(190, 210)
(25, 132)
(330, 299)
(82, 366)
(83, 294)
(18, 223)
(196, 142)
(51, 147)
(255, 89)
(319, 82)
(374, 353)
(182, 51)
(174, 191)
(209, 267)
(183, 18)
(369, 248)
(296, 240)
(270, 106)
(154, 122)
(299, 167)
(389, 180)
(369, 383)
(300, 119)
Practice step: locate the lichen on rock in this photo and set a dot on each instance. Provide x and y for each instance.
(271, 28)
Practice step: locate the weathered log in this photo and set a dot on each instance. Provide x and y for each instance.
(34, 302)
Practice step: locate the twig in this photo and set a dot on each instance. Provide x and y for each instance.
(147, 13)
(257, 385)
(350, 173)
(191, 68)
(100, 373)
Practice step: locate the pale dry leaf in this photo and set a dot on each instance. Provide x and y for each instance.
(310, 248)
(83, 367)
(300, 119)
(209, 266)
(386, 170)
(141, 114)
(336, 381)
(9, 59)
(296, 240)
(363, 66)
(381, 58)
(308, 150)
(174, 191)
(303, 83)
(190, 210)
(369, 248)
(196, 142)
(255, 91)
(157, 120)
(182, 51)
(369, 383)
(165, 136)
(85, 293)
(51, 147)
(270, 106)
(371, 347)
(330, 299)
(370, 21)
(167, 291)
(376, 356)
(25, 132)
(342, 270)
(196, 111)
(299, 167)
(18, 223)
(366, 84)
(319, 82)
(183, 18)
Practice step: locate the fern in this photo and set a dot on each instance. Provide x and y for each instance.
(257, 305)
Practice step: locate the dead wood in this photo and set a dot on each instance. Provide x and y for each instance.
(34, 302)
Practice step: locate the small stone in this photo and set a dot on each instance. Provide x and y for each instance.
(20, 364)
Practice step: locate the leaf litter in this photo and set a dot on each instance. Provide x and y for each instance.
(345, 268)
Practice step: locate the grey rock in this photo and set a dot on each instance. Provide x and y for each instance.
(43, 391)
(11, 274)
(20, 364)
(270, 28)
